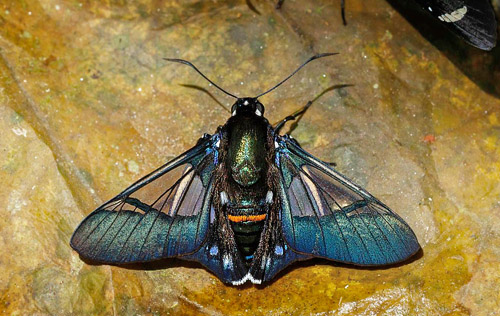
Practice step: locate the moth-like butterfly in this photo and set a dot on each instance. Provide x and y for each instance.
(472, 20)
(245, 202)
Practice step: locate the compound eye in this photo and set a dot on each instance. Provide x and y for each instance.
(233, 109)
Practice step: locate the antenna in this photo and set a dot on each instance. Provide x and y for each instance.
(342, 11)
(296, 70)
(185, 62)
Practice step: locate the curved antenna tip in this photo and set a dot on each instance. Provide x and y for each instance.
(296, 70)
(324, 55)
(185, 62)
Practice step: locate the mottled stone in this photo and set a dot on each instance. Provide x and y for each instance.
(88, 105)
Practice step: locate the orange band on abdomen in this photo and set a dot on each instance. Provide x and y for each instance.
(246, 218)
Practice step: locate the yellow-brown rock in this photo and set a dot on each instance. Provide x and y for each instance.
(87, 105)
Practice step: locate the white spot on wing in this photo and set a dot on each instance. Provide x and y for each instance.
(212, 214)
(278, 250)
(454, 16)
(223, 198)
(214, 250)
(269, 197)
(265, 259)
(227, 262)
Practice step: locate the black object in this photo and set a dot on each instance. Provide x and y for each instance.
(245, 202)
(472, 20)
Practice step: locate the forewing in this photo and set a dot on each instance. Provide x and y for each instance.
(326, 215)
(165, 214)
(472, 20)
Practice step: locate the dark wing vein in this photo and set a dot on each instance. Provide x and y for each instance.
(199, 218)
(348, 218)
(135, 232)
(353, 224)
(316, 216)
(170, 189)
(160, 209)
(97, 226)
(395, 231)
(174, 216)
(380, 229)
(291, 219)
(117, 233)
(340, 208)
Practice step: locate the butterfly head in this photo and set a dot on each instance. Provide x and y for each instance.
(247, 106)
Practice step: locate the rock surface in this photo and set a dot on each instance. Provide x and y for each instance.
(87, 106)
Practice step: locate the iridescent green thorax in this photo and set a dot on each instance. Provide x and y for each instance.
(247, 149)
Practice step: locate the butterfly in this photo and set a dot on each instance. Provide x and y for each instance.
(245, 202)
(472, 20)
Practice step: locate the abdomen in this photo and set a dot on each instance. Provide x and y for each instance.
(247, 230)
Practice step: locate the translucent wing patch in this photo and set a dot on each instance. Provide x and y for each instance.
(326, 215)
(165, 214)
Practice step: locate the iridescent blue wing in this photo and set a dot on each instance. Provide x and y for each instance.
(472, 20)
(219, 253)
(326, 215)
(165, 214)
